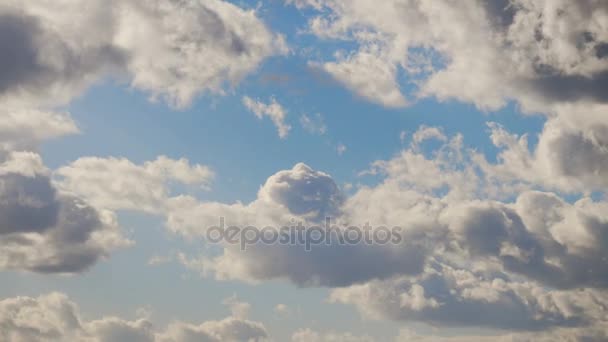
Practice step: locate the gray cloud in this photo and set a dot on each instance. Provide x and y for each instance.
(29, 204)
(568, 88)
(39, 60)
(47, 231)
(48, 62)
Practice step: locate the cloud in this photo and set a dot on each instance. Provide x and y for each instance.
(45, 55)
(46, 230)
(300, 194)
(25, 129)
(273, 110)
(570, 155)
(486, 52)
(54, 317)
(448, 296)
(519, 253)
(173, 50)
(119, 184)
(426, 133)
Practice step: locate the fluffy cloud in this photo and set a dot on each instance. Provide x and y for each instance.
(54, 317)
(175, 50)
(119, 184)
(516, 251)
(367, 74)
(456, 297)
(25, 129)
(307, 196)
(299, 192)
(46, 230)
(273, 110)
(570, 155)
(484, 52)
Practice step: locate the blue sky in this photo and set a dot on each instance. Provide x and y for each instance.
(511, 213)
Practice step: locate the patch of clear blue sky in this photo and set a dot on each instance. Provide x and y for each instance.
(243, 151)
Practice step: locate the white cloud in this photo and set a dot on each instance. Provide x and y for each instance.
(485, 52)
(526, 259)
(27, 128)
(118, 183)
(569, 157)
(54, 317)
(273, 110)
(426, 133)
(369, 75)
(173, 50)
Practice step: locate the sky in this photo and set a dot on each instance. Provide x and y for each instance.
(474, 134)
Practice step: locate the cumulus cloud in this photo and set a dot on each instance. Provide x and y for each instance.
(25, 129)
(273, 110)
(54, 317)
(517, 252)
(173, 50)
(570, 155)
(300, 194)
(484, 52)
(46, 230)
(119, 184)
(368, 75)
